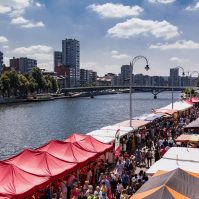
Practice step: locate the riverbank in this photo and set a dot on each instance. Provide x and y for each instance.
(41, 98)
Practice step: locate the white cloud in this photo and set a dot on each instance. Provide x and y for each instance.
(15, 10)
(161, 1)
(181, 45)
(42, 53)
(6, 47)
(4, 9)
(39, 4)
(110, 10)
(25, 23)
(33, 25)
(116, 55)
(33, 49)
(19, 20)
(193, 7)
(135, 27)
(3, 39)
(179, 60)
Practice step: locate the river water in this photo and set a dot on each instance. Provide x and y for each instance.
(29, 125)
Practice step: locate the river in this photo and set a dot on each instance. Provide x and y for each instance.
(29, 125)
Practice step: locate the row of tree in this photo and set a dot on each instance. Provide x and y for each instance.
(20, 85)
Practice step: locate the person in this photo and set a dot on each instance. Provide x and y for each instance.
(81, 195)
(90, 195)
(74, 192)
(97, 191)
(64, 189)
(125, 180)
(89, 176)
(120, 167)
(123, 194)
(157, 155)
(149, 158)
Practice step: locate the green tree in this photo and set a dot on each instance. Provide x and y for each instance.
(33, 86)
(5, 84)
(23, 85)
(38, 76)
(14, 81)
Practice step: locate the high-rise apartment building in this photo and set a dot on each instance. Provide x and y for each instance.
(1, 61)
(87, 77)
(71, 58)
(23, 64)
(57, 59)
(125, 74)
(174, 77)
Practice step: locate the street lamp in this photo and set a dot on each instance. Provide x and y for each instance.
(131, 72)
(195, 71)
(183, 73)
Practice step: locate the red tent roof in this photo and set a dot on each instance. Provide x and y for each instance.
(67, 151)
(88, 143)
(195, 100)
(17, 183)
(41, 163)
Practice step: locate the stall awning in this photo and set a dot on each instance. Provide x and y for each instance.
(177, 106)
(195, 100)
(176, 184)
(16, 183)
(88, 143)
(42, 163)
(177, 157)
(106, 135)
(149, 117)
(68, 152)
(193, 138)
(192, 125)
(135, 123)
(166, 111)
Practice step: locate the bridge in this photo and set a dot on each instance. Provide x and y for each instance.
(155, 90)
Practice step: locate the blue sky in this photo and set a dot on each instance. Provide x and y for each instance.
(111, 33)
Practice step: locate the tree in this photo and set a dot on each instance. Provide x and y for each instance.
(5, 84)
(38, 76)
(32, 83)
(23, 85)
(14, 81)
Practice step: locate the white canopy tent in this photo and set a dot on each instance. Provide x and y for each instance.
(179, 106)
(135, 123)
(177, 157)
(107, 134)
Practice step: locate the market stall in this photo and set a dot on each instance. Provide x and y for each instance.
(150, 117)
(193, 126)
(88, 143)
(16, 183)
(177, 157)
(42, 163)
(192, 138)
(175, 184)
(135, 123)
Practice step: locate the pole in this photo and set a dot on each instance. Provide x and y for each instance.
(65, 80)
(130, 90)
(172, 91)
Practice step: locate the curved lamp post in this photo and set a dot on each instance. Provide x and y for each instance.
(183, 73)
(192, 72)
(131, 72)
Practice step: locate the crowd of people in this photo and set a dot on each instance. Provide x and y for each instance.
(126, 174)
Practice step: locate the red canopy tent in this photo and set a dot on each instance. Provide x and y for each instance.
(42, 163)
(195, 100)
(68, 152)
(16, 183)
(89, 143)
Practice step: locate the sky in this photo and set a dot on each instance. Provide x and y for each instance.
(111, 33)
